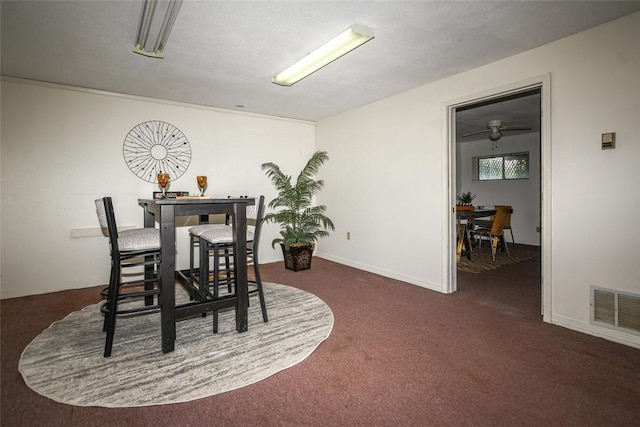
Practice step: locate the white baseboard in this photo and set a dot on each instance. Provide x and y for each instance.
(597, 331)
(522, 242)
(390, 274)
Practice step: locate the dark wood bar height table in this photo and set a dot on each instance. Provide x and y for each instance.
(165, 211)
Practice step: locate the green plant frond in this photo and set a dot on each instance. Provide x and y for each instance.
(318, 216)
(271, 217)
(312, 166)
(275, 241)
(278, 178)
(300, 222)
(311, 188)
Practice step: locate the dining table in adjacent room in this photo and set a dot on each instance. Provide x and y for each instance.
(164, 211)
(466, 228)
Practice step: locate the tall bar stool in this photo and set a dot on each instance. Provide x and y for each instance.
(194, 240)
(217, 243)
(130, 248)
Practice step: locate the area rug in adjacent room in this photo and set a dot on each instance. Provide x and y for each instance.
(481, 259)
(65, 362)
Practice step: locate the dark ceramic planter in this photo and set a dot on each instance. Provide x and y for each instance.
(297, 258)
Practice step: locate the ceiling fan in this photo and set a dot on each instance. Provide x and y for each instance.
(495, 129)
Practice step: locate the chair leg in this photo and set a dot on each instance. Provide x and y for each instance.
(192, 242)
(263, 305)
(203, 272)
(494, 246)
(110, 292)
(256, 270)
(216, 283)
(216, 278)
(203, 276)
(503, 243)
(227, 270)
(216, 270)
(460, 242)
(150, 278)
(470, 248)
(512, 239)
(112, 306)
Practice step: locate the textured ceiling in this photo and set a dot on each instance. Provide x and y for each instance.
(224, 53)
(517, 110)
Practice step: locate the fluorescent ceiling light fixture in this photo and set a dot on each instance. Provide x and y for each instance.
(145, 46)
(345, 42)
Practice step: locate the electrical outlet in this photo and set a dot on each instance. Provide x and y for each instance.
(348, 235)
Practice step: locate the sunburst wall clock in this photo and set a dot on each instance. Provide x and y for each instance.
(156, 146)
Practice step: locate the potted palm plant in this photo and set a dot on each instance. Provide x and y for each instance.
(465, 201)
(301, 223)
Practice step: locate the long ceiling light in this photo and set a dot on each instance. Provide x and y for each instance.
(345, 42)
(143, 45)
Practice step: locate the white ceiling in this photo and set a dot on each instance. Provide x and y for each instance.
(224, 53)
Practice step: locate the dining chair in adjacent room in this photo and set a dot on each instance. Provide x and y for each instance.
(217, 243)
(507, 222)
(130, 248)
(460, 241)
(495, 233)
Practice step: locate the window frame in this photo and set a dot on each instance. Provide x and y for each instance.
(476, 165)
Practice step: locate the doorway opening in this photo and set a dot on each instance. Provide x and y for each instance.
(504, 124)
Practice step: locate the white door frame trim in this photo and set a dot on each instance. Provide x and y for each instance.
(449, 194)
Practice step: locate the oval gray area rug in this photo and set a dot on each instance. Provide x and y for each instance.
(65, 362)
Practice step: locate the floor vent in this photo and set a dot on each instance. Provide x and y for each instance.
(615, 309)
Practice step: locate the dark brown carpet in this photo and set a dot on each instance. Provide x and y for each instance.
(482, 259)
(399, 355)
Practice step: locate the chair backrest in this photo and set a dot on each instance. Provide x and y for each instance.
(507, 220)
(107, 219)
(254, 218)
(255, 214)
(497, 226)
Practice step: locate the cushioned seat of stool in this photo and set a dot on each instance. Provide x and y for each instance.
(139, 239)
(198, 230)
(222, 235)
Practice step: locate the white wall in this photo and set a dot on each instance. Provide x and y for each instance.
(523, 195)
(62, 148)
(386, 181)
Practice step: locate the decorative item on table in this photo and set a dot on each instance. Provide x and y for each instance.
(163, 182)
(465, 201)
(202, 183)
(301, 224)
(157, 195)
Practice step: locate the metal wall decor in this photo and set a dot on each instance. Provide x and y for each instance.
(156, 146)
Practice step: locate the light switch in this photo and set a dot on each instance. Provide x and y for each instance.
(608, 140)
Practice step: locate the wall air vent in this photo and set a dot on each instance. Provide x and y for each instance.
(615, 309)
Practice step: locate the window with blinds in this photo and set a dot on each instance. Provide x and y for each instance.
(504, 166)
